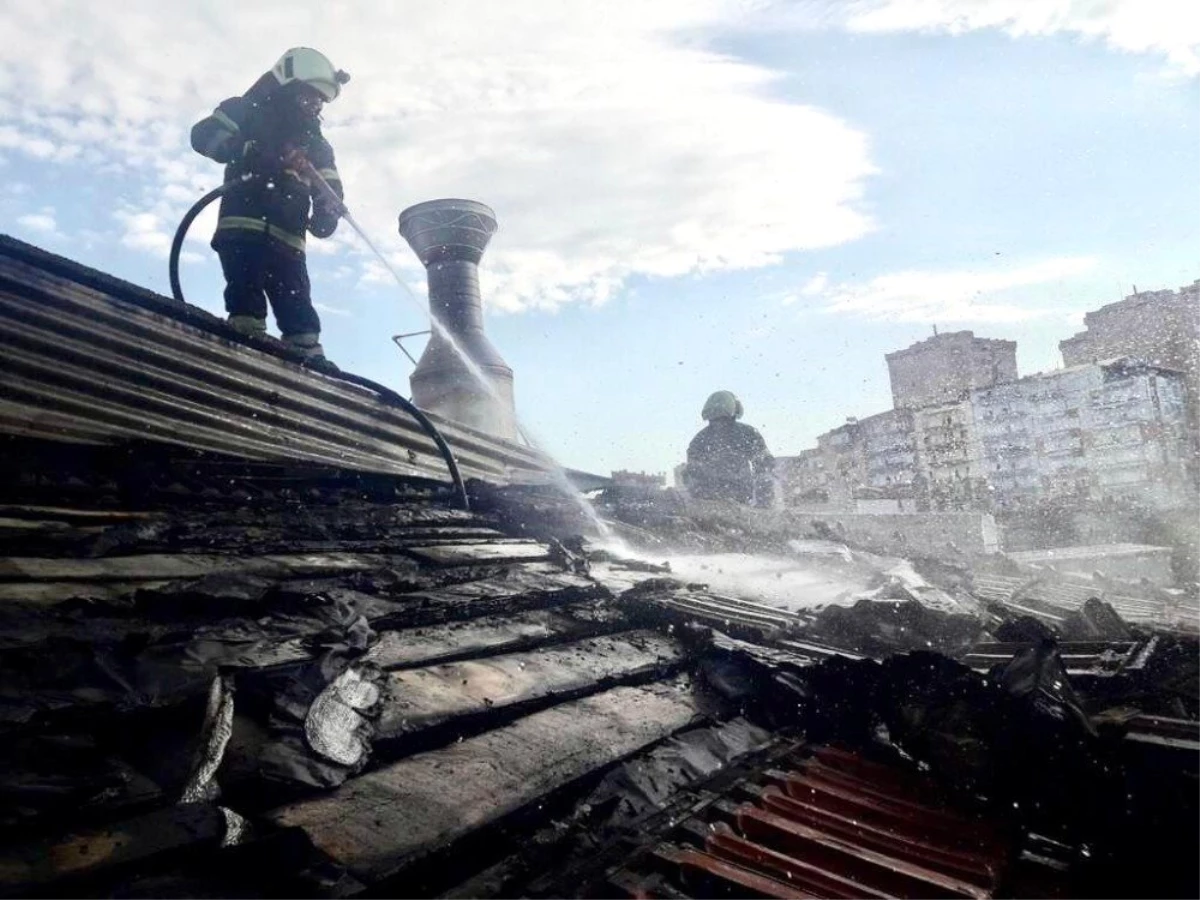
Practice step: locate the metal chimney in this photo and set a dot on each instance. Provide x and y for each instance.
(449, 237)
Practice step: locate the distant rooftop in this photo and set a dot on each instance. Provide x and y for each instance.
(948, 337)
(1131, 362)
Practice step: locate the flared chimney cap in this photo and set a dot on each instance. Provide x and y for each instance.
(453, 229)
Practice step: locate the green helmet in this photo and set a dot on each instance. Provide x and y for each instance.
(722, 405)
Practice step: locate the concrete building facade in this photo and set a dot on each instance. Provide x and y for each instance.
(803, 478)
(943, 368)
(625, 478)
(1122, 420)
(862, 460)
(844, 461)
(1103, 430)
(1114, 429)
(889, 449)
(1160, 327)
(948, 455)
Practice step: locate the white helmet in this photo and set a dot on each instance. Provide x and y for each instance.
(311, 67)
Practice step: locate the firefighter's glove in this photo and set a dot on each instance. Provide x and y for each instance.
(293, 158)
(324, 220)
(266, 160)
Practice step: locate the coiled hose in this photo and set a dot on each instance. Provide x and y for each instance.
(386, 394)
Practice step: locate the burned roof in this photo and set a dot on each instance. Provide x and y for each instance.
(302, 633)
(278, 673)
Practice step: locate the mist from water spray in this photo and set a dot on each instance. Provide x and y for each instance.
(796, 583)
(557, 473)
(791, 584)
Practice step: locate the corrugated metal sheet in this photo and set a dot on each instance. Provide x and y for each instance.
(1066, 594)
(1099, 659)
(833, 825)
(88, 358)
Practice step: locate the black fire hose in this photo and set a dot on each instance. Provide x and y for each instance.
(181, 232)
(386, 394)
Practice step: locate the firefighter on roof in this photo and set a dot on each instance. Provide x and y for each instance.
(727, 459)
(271, 144)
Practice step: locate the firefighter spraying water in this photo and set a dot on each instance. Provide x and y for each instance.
(281, 184)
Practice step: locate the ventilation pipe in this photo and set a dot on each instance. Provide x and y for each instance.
(449, 237)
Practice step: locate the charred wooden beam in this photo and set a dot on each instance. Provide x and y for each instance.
(490, 635)
(27, 868)
(417, 700)
(380, 823)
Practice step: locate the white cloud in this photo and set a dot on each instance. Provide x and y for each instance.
(332, 310)
(815, 285)
(30, 145)
(42, 223)
(1168, 27)
(144, 231)
(955, 296)
(343, 240)
(609, 140)
(201, 230)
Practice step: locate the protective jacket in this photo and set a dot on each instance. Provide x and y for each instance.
(251, 135)
(727, 460)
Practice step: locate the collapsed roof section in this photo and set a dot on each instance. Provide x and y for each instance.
(287, 672)
(263, 680)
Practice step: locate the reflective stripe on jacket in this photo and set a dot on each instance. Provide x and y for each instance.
(250, 134)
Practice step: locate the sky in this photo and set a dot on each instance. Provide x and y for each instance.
(692, 195)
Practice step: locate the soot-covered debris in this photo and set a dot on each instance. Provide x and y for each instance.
(308, 609)
(877, 627)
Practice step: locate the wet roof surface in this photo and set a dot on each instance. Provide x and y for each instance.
(118, 624)
(345, 667)
(257, 675)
